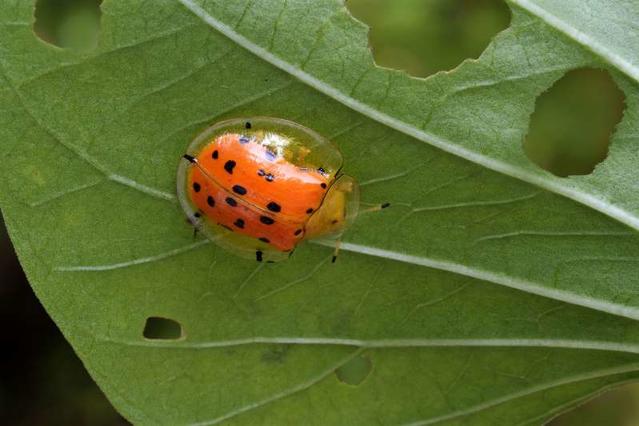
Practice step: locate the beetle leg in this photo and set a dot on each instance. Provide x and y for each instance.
(192, 222)
(375, 208)
(338, 244)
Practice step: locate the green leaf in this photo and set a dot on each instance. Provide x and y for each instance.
(490, 293)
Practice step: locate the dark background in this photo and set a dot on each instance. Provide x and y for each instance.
(42, 381)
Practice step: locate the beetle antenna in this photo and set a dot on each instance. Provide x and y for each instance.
(196, 163)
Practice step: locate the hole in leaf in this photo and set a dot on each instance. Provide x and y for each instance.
(158, 328)
(573, 122)
(354, 371)
(426, 36)
(73, 24)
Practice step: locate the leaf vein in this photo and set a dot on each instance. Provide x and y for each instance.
(85, 156)
(496, 278)
(628, 368)
(625, 66)
(133, 262)
(282, 394)
(594, 345)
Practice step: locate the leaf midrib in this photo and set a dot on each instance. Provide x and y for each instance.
(442, 265)
(543, 181)
(579, 37)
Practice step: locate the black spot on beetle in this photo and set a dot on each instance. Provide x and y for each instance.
(264, 240)
(258, 256)
(239, 223)
(247, 125)
(231, 202)
(323, 185)
(261, 172)
(297, 232)
(309, 210)
(239, 189)
(266, 220)
(229, 166)
(210, 201)
(274, 207)
(215, 155)
(196, 187)
(244, 139)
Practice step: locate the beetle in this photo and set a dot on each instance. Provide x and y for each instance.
(260, 186)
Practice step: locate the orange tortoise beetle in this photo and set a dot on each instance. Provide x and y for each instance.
(260, 186)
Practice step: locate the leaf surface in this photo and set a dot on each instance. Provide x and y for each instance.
(491, 292)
